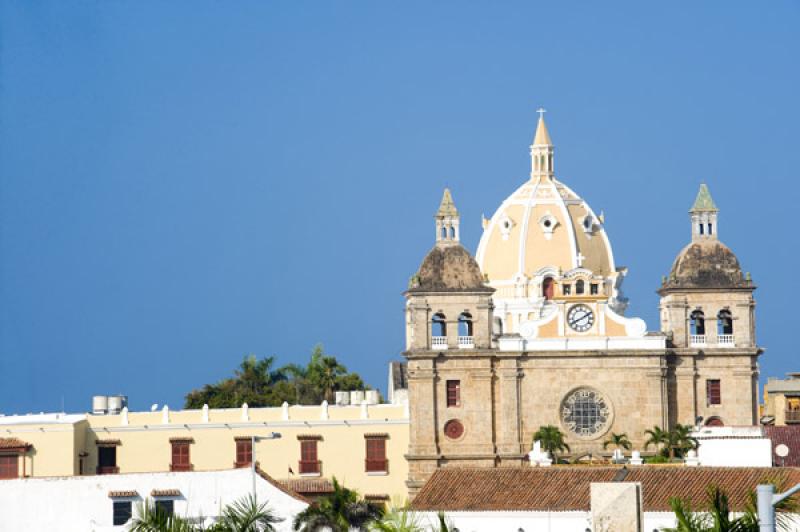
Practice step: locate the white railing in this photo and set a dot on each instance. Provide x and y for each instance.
(697, 339)
(725, 339)
(439, 342)
(466, 342)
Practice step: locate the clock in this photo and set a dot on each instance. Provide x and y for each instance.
(580, 318)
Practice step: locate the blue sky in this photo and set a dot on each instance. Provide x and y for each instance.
(184, 183)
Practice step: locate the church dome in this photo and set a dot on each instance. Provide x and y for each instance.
(706, 264)
(448, 268)
(543, 226)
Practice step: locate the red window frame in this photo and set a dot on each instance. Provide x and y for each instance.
(713, 392)
(376, 461)
(244, 452)
(181, 457)
(453, 393)
(9, 466)
(309, 462)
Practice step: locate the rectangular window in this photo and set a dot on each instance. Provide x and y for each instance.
(713, 392)
(593, 289)
(9, 466)
(165, 506)
(107, 460)
(244, 452)
(122, 512)
(180, 456)
(376, 455)
(453, 393)
(308, 457)
(566, 289)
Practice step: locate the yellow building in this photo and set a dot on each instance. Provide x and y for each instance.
(303, 446)
(782, 400)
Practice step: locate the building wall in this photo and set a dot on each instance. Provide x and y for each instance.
(80, 504)
(144, 442)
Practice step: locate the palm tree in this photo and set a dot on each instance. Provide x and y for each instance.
(246, 515)
(340, 511)
(153, 518)
(681, 440)
(656, 436)
(620, 441)
(551, 440)
(398, 520)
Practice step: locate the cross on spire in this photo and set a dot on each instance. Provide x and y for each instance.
(541, 111)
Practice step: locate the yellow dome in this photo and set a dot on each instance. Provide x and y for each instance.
(542, 226)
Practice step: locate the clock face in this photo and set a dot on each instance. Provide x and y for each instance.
(586, 413)
(580, 318)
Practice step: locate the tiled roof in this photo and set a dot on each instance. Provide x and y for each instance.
(165, 493)
(123, 493)
(308, 486)
(789, 436)
(13, 443)
(567, 488)
(281, 485)
(108, 442)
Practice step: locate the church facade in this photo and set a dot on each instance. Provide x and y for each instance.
(532, 331)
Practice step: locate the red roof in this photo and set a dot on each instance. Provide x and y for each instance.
(13, 444)
(567, 488)
(788, 435)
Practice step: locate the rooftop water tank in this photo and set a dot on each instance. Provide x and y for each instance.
(116, 403)
(99, 404)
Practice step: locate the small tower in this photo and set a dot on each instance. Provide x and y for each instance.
(447, 220)
(707, 308)
(542, 152)
(704, 216)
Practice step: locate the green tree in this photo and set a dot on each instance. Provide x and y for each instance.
(152, 518)
(551, 439)
(339, 511)
(620, 441)
(246, 515)
(681, 440)
(657, 437)
(398, 520)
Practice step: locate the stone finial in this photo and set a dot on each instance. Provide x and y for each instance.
(245, 412)
(364, 409)
(636, 458)
(123, 419)
(323, 413)
(539, 458)
(165, 415)
(691, 459)
(285, 411)
(205, 413)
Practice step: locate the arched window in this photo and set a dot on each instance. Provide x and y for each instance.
(497, 326)
(710, 229)
(452, 233)
(714, 421)
(701, 228)
(547, 288)
(465, 324)
(698, 322)
(724, 322)
(579, 286)
(439, 325)
(444, 233)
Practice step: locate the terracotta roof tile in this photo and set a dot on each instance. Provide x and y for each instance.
(165, 493)
(123, 493)
(281, 485)
(789, 436)
(13, 443)
(567, 488)
(308, 486)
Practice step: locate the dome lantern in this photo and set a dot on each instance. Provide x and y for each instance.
(542, 152)
(447, 220)
(704, 216)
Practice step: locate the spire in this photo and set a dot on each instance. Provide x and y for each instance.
(703, 202)
(447, 207)
(704, 216)
(542, 137)
(541, 152)
(447, 220)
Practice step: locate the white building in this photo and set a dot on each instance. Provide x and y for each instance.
(95, 503)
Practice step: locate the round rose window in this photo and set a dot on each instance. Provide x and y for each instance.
(453, 429)
(586, 413)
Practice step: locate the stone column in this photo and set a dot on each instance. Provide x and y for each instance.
(507, 408)
(686, 390)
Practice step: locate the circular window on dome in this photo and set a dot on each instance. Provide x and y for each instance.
(453, 429)
(586, 413)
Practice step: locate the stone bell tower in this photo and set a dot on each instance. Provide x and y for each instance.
(708, 312)
(448, 324)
